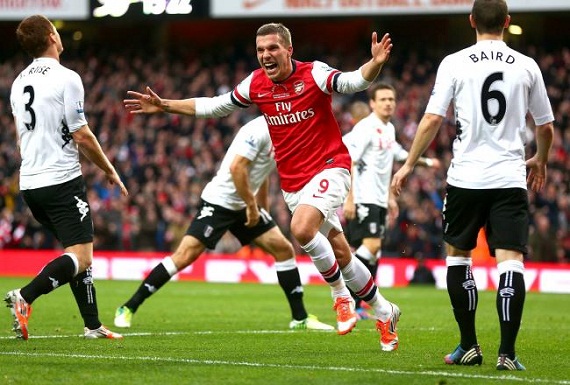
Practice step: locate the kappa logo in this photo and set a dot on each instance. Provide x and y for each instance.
(151, 288)
(297, 289)
(54, 282)
(207, 211)
(362, 212)
(83, 208)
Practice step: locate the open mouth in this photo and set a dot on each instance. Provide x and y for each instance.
(270, 67)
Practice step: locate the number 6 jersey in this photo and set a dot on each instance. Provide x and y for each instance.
(47, 104)
(492, 87)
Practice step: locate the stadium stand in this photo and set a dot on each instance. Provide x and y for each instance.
(165, 160)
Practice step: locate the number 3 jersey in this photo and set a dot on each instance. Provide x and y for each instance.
(492, 87)
(47, 104)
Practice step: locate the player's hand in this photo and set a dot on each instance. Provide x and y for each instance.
(381, 49)
(399, 179)
(114, 179)
(349, 210)
(536, 178)
(143, 103)
(253, 216)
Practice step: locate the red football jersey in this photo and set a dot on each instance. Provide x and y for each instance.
(303, 128)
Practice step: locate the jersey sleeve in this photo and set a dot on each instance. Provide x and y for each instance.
(240, 94)
(443, 89)
(252, 139)
(400, 154)
(330, 79)
(356, 141)
(217, 106)
(73, 98)
(325, 76)
(539, 104)
(12, 100)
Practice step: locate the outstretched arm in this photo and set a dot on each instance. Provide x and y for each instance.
(150, 103)
(203, 107)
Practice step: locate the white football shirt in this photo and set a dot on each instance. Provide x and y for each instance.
(47, 104)
(373, 147)
(492, 87)
(252, 142)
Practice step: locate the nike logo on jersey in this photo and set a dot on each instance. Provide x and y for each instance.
(318, 196)
(260, 95)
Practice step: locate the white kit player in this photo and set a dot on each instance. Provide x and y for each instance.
(492, 87)
(296, 100)
(373, 148)
(47, 104)
(229, 202)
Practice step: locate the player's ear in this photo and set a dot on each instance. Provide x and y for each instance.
(472, 21)
(507, 22)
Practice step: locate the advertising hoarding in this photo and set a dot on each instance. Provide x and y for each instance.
(148, 9)
(294, 8)
(53, 9)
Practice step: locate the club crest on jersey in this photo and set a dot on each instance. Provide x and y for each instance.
(299, 86)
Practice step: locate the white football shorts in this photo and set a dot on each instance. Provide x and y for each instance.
(326, 192)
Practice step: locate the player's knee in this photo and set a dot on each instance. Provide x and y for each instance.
(284, 251)
(303, 233)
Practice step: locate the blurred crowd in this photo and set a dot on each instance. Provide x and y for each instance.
(165, 160)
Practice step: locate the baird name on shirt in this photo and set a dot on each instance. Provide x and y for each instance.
(492, 55)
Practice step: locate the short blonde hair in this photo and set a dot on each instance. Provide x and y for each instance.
(276, 29)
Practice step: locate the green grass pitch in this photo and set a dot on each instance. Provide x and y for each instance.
(206, 333)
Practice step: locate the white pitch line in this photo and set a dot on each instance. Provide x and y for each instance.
(205, 332)
(285, 366)
(266, 365)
